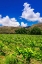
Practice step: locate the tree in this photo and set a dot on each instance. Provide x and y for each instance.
(35, 31)
(21, 31)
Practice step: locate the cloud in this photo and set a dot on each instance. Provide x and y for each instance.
(23, 24)
(29, 14)
(6, 21)
(0, 16)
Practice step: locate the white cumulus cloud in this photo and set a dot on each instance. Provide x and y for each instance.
(6, 21)
(29, 14)
(23, 24)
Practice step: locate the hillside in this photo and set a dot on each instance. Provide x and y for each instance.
(6, 29)
(37, 25)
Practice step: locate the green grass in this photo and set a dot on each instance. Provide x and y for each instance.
(20, 49)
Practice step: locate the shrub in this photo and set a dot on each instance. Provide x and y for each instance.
(35, 31)
(21, 31)
(41, 31)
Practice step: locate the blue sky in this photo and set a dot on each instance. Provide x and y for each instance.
(15, 9)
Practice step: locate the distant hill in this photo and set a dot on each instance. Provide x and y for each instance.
(36, 25)
(28, 27)
(6, 29)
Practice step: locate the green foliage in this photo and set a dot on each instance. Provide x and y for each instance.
(33, 31)
(20, 49)
(11, 59)
(21, 31)
(36, 31)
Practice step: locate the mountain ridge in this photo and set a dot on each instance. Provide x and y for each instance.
(11, 30)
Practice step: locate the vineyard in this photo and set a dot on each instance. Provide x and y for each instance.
(20, 49)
